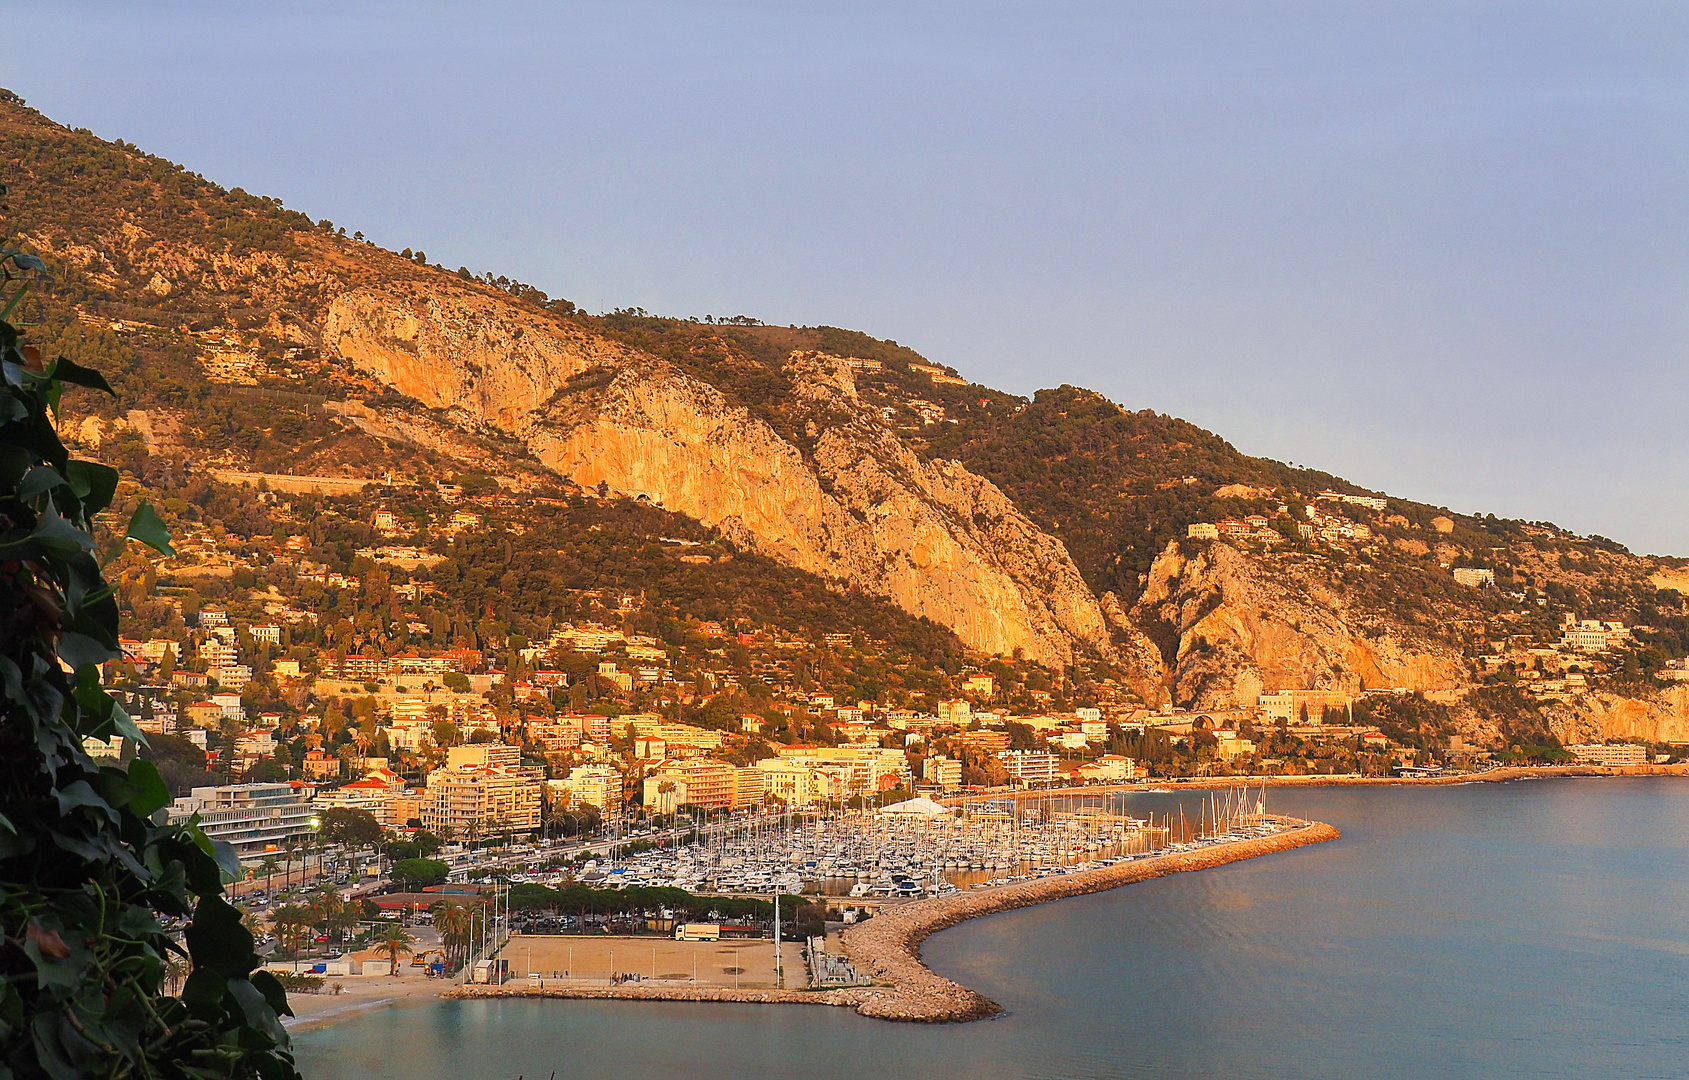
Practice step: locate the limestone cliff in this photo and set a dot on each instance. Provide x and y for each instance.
(863, 509)
(459, 349)
(859, 507)
(1230, 630)
(1599, 716)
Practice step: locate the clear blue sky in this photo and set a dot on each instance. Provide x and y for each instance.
(1441, 249)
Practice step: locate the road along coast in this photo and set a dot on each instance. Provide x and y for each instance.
(888, 947)
(1503, 775)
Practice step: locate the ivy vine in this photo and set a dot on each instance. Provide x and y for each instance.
(103, 904)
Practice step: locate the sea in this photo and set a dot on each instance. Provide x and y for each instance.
(1535, 929)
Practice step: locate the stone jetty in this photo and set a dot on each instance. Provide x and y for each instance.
(846, 996)
(888, 946)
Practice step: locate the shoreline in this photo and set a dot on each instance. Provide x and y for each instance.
(1504, 775)
(888, 945)
(905, 988)
(323, 1010)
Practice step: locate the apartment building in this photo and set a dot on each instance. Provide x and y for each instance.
(1288, 705)
(944, 772)
(1030, 766)
(599, 785)
(255, 819)
(1473, 577)
(475, 802)
(1622, 754)
(703, 782)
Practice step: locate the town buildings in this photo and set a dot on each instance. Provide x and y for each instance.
(382, 793)
(254, 819)
(482, 792)
(1619, 754)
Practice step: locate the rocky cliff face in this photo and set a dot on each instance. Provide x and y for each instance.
(862, 509)
(458, 349)
(1228, 631)
(1599, 716)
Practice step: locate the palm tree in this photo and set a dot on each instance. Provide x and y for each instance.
(176, 971)
(331, 911)
(395, 940)
(555, 812)
(269, 868)
(452, 920)
(292, 923)
(290, 850)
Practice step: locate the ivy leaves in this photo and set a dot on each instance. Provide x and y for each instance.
(88, 870)
(146, 527)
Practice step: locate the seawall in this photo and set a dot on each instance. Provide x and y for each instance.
(854, 995)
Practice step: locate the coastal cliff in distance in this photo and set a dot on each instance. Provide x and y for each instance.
(1242, 631)
(1056, 526)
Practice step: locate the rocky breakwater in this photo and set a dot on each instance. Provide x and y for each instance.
(847, 996)
(888, 946)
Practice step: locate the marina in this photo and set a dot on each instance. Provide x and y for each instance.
(915, 849)
(885, 976)
(1357, 937)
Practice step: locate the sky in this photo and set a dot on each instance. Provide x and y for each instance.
(1439, 249)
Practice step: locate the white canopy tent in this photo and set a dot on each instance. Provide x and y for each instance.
(917, 807)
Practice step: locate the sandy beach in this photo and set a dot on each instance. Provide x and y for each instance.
(360, 994)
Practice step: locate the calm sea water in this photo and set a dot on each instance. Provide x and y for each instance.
(1534, 929)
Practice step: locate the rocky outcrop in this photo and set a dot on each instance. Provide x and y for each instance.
(862, 509)
(1140, 656)
(458, 349)
(1598, 716)
(1231, 630)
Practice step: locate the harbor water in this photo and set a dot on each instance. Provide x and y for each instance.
(1531, 929)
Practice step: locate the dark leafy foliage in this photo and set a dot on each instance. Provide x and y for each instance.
(580, 899)
(415, 873)
(91, 881)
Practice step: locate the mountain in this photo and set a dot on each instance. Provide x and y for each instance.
(244, 337)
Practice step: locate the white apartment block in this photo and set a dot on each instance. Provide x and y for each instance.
(1622, 754)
